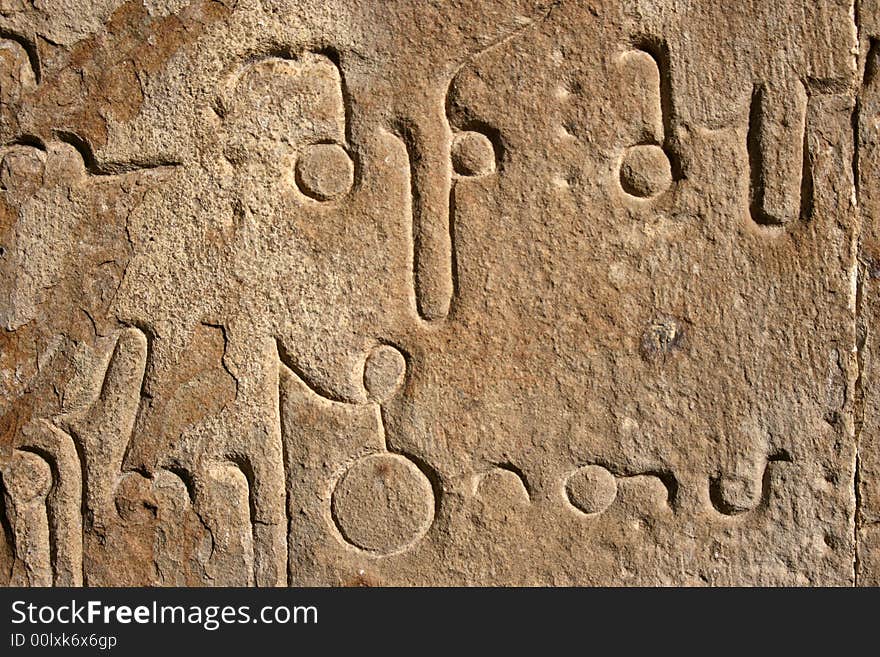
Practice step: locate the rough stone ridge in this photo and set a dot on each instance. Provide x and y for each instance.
(382, 292)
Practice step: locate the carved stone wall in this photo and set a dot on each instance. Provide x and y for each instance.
(383, 292)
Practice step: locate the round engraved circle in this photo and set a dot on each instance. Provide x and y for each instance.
(591, 489)
(324, 172)
(503, 490)
(645, 171)
(383, 503)
(383, 372)
(472, 154)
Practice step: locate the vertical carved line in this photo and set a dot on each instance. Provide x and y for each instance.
(779, 166)
(430, 178)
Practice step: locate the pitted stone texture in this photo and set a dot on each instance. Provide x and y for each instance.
(423, 293)
(867, 415)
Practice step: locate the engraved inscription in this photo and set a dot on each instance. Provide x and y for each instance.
(645, 167)
(515, 292)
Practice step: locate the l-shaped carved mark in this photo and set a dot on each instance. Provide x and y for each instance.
(96, 168)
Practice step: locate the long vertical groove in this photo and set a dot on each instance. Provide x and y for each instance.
(860, 329)
(285, 455)
(430, 182)
(861, 335)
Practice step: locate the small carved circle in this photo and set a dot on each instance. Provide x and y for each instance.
(384, 370)
(591, 489)
(503, 488)
(645, 171)
(383, 503)
(472, 154)
(324, 172)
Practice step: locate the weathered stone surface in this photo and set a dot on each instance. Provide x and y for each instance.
(390, 292)
(867, 399)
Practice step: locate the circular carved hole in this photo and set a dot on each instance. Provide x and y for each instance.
(383, 372)
(473, 154)
(324, 172)
(383, 503)
(591, 489)
(645, 171)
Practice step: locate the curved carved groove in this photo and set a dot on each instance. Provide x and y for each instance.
(663, 475)
(220, 493)
(102, 432)
(96, 168)
(27, 482)
(658, 50)
(428, 139)
(727, 507)
(288, 361)
(63, 502)
(269, 568)
(30, 48)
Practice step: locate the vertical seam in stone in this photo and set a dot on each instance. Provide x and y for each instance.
(859, 413)
(860, 342)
